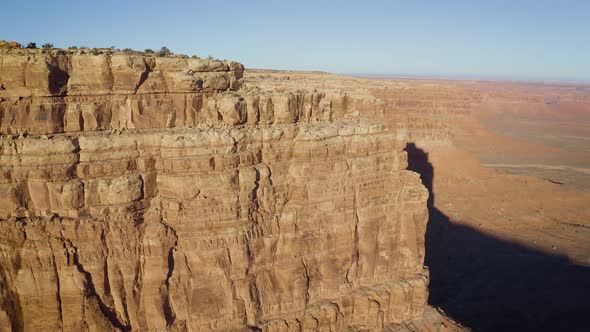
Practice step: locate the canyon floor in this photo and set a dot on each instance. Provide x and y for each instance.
(508, 241)
(508, 170)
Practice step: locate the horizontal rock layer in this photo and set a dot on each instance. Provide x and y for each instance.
(42, 93)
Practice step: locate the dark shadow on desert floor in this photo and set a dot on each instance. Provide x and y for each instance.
(488, 284)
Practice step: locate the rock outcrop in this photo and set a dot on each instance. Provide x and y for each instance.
(146, 193)
(55, 92)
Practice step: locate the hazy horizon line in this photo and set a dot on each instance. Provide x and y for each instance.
(467, 77)
(449, 77)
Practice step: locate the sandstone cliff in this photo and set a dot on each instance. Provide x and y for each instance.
(144, 193)
(424, 112)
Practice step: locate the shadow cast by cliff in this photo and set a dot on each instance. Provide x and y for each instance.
(489, 284)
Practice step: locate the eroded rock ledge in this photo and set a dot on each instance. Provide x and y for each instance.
(142, 193)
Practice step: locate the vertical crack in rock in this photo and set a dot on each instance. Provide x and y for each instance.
(227, 267)
(57, 285)
(108, 295)
(124, 300)
(105, 254)
(352, 272)
(307, 282)
(169, 313)
(143, 77)
(108, 313)
(316, 321)
(253, 288)
(137, 290)
(380, 313)
(338, 309)
(73, 169)
(258, 211)
(111, 77)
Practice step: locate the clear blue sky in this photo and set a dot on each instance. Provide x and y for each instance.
(509, 39)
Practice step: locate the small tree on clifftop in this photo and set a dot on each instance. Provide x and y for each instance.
(47, 46)
(164, 51)
(32, 45)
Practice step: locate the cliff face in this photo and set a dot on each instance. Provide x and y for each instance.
(143, 193)
(427, 113)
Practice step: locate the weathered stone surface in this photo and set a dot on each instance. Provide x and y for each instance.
(53, 92)
(279, 211)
